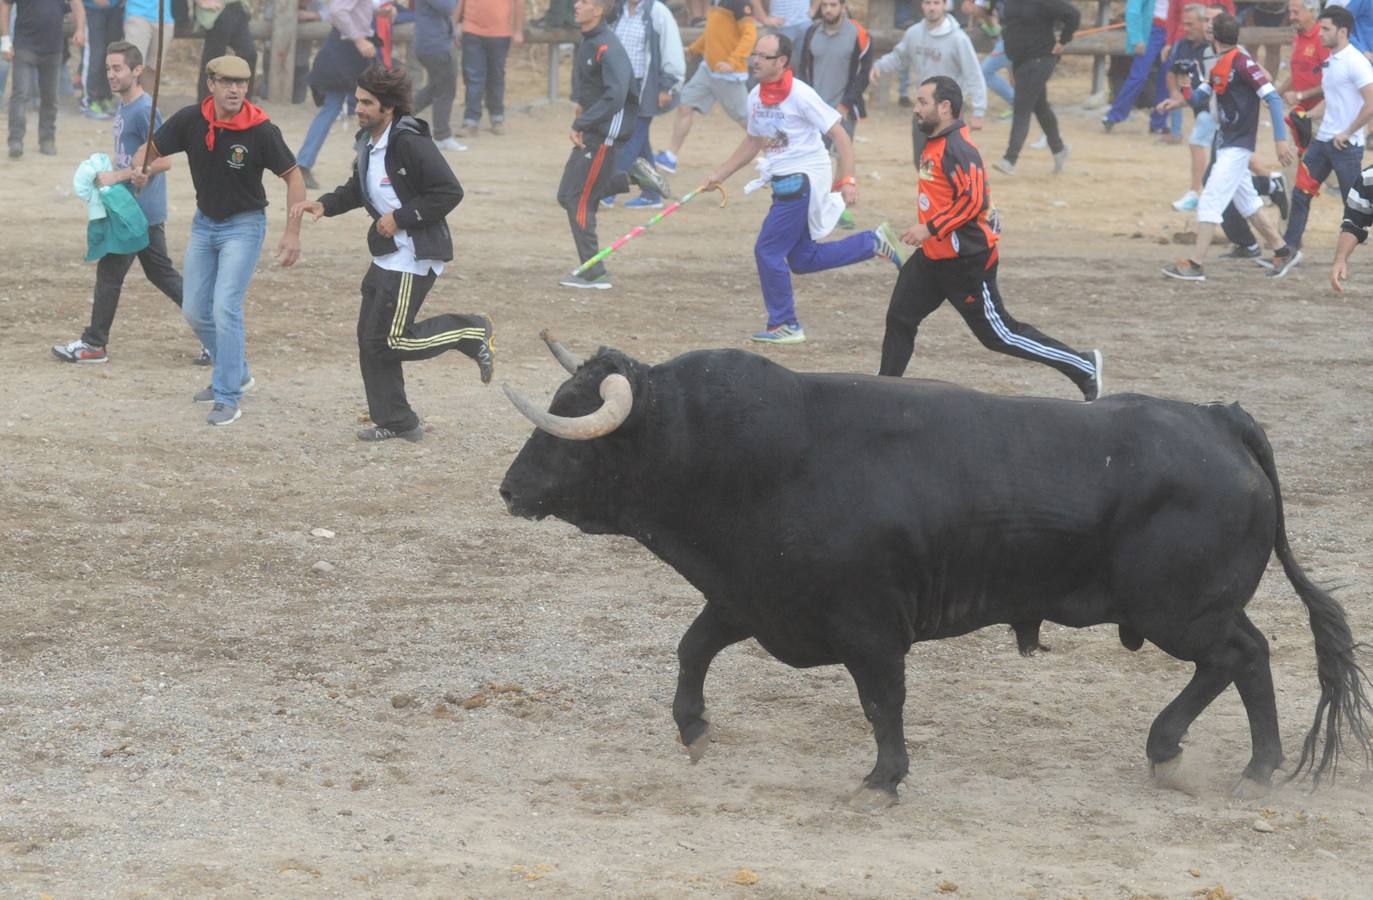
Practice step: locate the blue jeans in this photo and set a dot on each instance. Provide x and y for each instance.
(319, 128)
(992, 65)
(220, 260)
(784, 246)
(1320, 159)
(483, 76)
(637, 147)
(1139, 74)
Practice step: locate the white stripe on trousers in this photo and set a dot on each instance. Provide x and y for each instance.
(1012, 339)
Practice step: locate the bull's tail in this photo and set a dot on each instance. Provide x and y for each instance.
(1344, 704)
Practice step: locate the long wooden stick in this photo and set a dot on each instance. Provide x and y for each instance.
(157, 83)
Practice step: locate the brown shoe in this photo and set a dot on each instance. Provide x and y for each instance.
(471, 131)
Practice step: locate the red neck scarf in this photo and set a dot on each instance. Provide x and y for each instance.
(774, 92)
(242, 120)
(1220, 75)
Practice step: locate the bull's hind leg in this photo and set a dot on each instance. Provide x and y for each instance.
(882, 691)
(706, 637)
(1255, 685)
(1219, 661)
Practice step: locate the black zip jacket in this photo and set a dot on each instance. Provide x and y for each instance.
(1028, 27)
(427, 188)
(603, 85)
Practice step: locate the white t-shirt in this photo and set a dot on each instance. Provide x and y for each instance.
(1346, 73)
(792, 128)
(384, 200)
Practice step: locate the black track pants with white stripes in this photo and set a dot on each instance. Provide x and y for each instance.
(388, 336)
(969, 283)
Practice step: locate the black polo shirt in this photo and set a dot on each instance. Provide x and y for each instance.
(38, 25)
(228, 179)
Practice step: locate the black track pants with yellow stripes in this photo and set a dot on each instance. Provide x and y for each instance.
(388, 336)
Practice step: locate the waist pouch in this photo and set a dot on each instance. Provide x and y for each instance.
(788, 187)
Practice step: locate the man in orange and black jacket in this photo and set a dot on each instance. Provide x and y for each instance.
(957, 260)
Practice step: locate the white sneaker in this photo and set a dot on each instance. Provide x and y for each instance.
(450, 144)
(1041, 144)
(1187, 202)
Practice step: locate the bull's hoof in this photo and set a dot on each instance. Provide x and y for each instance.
(868, 799)
(696, 739)
(1250, 789)
(1171, 776)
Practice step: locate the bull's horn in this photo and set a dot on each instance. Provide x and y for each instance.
(560, 353)
(619, 400)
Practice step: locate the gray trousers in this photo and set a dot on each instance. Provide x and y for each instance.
(34, 74)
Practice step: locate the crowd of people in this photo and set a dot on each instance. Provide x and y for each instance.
(792, 75)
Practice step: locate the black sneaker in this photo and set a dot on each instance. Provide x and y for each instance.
(1277, 192)
(1097, 386)
(222, 414)
(377, 433)
(1107, 124)
(310, 183)
(1238, 252)
(207, 394)
(1283, 264)
(203, 359)
(486, 355)
(1185, 270)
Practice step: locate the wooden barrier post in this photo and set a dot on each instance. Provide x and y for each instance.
(282, 68)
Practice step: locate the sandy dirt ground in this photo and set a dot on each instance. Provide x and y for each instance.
(475, 705)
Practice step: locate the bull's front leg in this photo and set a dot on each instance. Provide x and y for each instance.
(706, 637)
(881, 681)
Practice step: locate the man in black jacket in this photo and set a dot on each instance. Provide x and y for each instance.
(607, 104)
(1035, 31)
(401, 178)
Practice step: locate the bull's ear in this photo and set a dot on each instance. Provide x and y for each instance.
(618, 400)
(560, 353)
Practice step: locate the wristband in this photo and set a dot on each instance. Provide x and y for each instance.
(847, 179)
(6, 43)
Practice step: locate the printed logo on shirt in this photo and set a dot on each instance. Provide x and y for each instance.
(924, 202)
(238, 156)
(926, 170)
(385, 181)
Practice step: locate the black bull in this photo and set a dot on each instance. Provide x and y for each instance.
(842, 518)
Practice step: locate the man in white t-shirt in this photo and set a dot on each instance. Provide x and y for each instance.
(786, 122)
(1347, 85)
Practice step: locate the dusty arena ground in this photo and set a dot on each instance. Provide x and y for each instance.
(474, 705)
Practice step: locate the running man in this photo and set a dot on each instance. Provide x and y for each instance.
(786, 122)
(957, 255)
(401, 178)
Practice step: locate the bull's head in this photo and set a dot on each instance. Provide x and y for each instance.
(573, 464)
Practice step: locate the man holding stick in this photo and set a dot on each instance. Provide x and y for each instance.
(123, 68)
(786, 122)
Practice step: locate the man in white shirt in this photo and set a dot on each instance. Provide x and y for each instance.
(787, 122)
(1347, 85)
(401, 178)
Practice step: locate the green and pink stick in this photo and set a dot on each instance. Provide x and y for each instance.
(673, 207)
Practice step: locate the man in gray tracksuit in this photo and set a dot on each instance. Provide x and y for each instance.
(937, 46)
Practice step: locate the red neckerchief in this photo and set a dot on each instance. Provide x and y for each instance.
(1220, 75)
(774, 92)
(244, 119)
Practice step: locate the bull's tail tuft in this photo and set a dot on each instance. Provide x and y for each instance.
(1344, 705)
